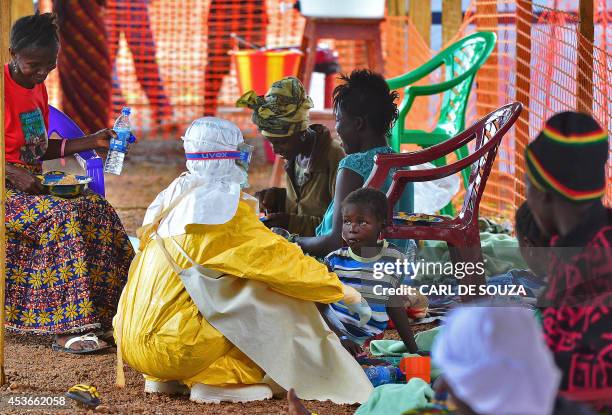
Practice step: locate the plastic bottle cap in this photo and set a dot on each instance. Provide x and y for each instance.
(126, 111)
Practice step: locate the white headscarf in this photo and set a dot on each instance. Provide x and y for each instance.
(209, 192)
(496, 361)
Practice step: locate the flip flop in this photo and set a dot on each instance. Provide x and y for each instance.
(84, 394)
(86, 337)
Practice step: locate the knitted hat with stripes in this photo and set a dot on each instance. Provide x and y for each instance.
(569, 157)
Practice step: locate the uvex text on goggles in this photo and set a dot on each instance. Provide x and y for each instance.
(242, 155)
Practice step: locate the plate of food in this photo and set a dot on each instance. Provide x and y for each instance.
(63, 184)
(415, 218)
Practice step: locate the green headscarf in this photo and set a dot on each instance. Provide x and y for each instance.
(284, 109)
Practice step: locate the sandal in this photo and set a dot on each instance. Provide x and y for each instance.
(84, 394)
(89, 337)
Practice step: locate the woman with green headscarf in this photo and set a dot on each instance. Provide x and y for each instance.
(311, 155)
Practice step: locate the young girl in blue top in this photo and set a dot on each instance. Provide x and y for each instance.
(365, 111)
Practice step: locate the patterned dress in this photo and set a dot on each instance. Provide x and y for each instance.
(67, 262)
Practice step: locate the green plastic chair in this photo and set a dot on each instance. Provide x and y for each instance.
(462, 59)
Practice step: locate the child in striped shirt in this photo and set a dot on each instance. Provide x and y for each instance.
(363, 215)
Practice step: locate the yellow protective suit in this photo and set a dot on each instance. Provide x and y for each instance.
(162, 333)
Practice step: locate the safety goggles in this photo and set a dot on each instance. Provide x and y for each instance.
(242, 155)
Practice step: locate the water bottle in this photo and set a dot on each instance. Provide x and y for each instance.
(382, 375)
(119, 145)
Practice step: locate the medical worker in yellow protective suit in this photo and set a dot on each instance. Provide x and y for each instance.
(219, 306)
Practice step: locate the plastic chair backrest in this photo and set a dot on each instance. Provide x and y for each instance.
(489, 130)
(461, 60)
(487, 134)
(463, 57)
(62, 125)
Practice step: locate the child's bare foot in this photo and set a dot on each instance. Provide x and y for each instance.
(296, 407)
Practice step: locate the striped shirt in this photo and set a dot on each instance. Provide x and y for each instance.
(359, 273)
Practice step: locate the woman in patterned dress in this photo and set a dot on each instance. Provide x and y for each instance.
(66, 259)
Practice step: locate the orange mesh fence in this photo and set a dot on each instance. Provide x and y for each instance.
(551, 72)
(553, 78)
(170, 63)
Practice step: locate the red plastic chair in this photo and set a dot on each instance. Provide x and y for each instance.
(462, 232)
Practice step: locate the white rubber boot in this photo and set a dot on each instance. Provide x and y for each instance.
(172, 387)
(277, 390)
(201, 393)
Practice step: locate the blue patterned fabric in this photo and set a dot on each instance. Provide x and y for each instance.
(363, 163)
(532, 284)
(358, 272)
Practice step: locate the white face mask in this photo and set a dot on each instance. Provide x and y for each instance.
(245, 182)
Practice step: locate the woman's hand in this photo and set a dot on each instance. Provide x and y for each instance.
(277, 220)
(272, 200)
(102, 138)
(24, 180)
(101, 141)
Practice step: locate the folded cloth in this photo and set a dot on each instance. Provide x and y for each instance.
(423, 339)
(388, 348)
(397, 398)
(396, 348)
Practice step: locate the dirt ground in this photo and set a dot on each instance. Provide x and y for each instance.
(33, 368)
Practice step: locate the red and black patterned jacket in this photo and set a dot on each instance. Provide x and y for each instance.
(578, 323)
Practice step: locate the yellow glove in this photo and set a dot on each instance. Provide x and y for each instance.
(351, 295)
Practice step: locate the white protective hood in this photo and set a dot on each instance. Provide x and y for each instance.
(209, 192)
(495, 360)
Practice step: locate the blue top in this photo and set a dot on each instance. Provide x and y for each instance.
(360, 163)
(363, 164)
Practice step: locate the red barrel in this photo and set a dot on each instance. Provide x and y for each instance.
(258, 69)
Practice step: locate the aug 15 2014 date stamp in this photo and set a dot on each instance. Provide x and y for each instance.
(34, 401)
